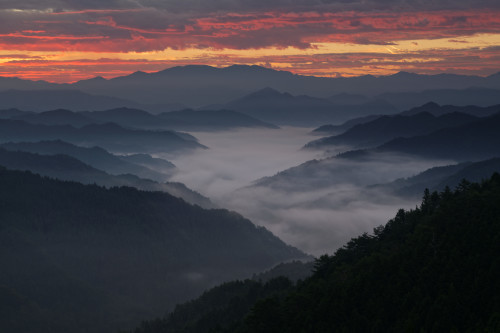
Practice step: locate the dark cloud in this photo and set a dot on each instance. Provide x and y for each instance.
(256, 5)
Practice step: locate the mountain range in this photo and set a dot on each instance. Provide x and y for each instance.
(53, 96)
(65, 167)
(474, 141)
(187, 119)
(440, 177)
(196, 86)
(99, 158)
(285, 109)
(109, 136)
(386, 128)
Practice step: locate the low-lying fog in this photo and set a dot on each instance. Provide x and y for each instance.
(316, 207)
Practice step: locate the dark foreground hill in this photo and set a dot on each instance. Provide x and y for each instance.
(432, 269)
(82, 258)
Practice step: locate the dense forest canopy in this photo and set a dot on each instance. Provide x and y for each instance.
(84, 258)
(434, 268)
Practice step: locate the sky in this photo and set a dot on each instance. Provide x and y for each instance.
(70, 40)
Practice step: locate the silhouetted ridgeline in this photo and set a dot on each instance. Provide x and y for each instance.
(198, 85)
(432, 269)
(109, 136)
(472, 141)
(385, 128)
(82, 258)
(65, 167)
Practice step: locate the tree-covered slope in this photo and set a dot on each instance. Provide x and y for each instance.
(473, 141)
(437, 178)
(92, 259)
(95, 156)
(432, 269)
(385, 128)
(64, 167)
(109, 136)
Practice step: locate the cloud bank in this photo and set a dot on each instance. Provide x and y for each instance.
(317, 206)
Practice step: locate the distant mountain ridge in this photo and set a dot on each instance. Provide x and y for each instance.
(385, 128)
(66, 167)
(109, 136)
(195, 85)
(475, 141)
(186, 119)
(94, 156)
(438, 178)
(286, 109)
(67, 97)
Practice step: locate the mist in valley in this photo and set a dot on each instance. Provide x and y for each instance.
(309, 199)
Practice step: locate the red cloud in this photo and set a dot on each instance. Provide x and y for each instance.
(147, 30)
(465, 61)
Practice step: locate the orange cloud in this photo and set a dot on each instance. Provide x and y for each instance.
(463, 61)
(144, 38)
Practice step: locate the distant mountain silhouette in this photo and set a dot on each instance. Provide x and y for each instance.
(285, 109)
(439, 110)
(67, 97)
(385, 128)
(127, 117)
(186, 119)
(338, 129)
(347, 99)
(109, 136)
(94, 156)
(437, 178)
(475, 141)
(210, 120)
(430, 107)
(65, 167)
(148, 161)
(461, 97)
(55, 117)
(196, 86)
(10, 113)
(99, 260)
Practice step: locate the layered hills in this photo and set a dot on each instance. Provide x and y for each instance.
(85, 258)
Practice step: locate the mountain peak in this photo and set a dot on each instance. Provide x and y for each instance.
(248, 68)
(187, 69)
(431, 105)
(268, 92)
(404, 74)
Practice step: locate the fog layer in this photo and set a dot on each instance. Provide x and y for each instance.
(316, 206)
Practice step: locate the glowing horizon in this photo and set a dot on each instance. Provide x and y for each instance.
(334, 39)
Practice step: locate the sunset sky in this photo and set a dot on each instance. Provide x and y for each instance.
(70, 40)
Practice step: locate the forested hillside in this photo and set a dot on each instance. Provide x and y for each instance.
(434, 268)
(83, 258)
